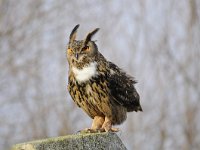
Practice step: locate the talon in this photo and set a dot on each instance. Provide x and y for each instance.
(114, 129)
(102, 130)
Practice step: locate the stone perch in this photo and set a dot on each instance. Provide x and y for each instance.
(89, 141)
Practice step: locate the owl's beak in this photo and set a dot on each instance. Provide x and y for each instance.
(76, 55)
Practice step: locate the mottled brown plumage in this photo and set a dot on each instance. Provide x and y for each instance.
(98, 86)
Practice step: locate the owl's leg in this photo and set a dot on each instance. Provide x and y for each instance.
(97, 122)
(96, 125)
(107, 126)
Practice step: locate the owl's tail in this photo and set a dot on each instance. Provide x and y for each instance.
(134, 108)
(135, 103)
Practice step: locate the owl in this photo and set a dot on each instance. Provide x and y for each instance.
(98, 86)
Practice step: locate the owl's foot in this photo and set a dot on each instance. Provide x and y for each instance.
(89, 130)
(109, 130)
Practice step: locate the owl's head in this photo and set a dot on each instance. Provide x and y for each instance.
(81, 52)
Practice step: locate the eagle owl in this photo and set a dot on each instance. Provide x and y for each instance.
(98, 86)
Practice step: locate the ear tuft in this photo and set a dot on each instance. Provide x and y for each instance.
(90, 35)
(73, 33)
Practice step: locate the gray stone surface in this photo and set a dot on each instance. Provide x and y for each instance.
(89, 141)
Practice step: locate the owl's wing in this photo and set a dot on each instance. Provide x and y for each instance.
(122, 89)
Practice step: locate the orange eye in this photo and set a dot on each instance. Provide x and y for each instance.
(86, 48)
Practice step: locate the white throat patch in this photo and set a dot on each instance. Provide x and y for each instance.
(86, 73)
